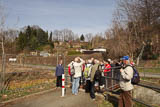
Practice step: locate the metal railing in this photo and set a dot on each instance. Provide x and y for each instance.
(112, 84)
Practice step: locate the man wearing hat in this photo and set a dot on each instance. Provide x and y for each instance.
(125, 83)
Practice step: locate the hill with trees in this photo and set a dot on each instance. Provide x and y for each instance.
(33, 38)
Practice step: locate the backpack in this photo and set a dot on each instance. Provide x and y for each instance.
(86, 71)
(97, 75)
(72, 70)
(136, 78)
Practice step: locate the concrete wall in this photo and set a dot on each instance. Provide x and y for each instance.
(147, 95)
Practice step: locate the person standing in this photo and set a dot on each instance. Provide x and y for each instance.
(78, 73)
(87, 72)
(59, 72)
(102, 79)
(107, 67)
(71, 71)
(93, 72)
(107, 73)
(125, 84)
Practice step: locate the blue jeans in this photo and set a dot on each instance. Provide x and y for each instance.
(75, 85)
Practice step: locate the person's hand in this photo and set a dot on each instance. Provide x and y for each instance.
(78, 57)
(121, 70)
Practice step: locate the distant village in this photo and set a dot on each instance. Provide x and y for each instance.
(69, 47)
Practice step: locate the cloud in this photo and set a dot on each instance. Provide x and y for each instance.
(80, 15)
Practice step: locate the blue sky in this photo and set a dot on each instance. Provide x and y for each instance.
(81, 16)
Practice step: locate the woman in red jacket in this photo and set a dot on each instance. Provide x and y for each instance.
(107, 68)
(69, 70)
(108, 73)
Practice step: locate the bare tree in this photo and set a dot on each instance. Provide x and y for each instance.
(67, 34)
(2, 27)
(89, 37)
(56, 35)
(63, 35)
(135, 22)
(97, 41)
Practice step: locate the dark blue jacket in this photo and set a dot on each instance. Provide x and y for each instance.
(59, 70)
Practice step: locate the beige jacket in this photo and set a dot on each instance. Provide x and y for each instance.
(125, 79)
(77, 67)
(93, 71)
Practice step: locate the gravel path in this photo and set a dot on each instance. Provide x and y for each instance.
(54, 99)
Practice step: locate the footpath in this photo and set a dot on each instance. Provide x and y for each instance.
(54, 99)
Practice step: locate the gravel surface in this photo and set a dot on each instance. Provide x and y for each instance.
(54, 99)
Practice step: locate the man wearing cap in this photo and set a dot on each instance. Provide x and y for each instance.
(125, 83)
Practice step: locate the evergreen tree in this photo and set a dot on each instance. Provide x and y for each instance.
(51, 41)
(50, 37)
(21, 41)
(33, 43)
(42, 37)
(82, 37)
(33, 39)
(28, 33)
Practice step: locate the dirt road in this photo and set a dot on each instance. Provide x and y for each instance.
(54, 99)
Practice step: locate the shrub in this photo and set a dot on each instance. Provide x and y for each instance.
(73, 53)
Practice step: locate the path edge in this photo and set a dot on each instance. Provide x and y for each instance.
(24, 97)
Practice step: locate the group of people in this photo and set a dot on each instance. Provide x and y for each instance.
(91, 74)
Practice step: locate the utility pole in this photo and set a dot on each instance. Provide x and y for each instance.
(57, 54)
(3, 67)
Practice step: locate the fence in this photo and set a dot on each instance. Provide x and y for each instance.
(112, 85)
(18, 79)
(111, 80)
(25, 66)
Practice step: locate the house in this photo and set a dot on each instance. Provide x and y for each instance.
(44, 54)
(97, 50)
(79, 44)
(34, 53)
(82, 50)
(55, 44)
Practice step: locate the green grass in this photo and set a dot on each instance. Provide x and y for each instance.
(74, 53)
(151, 70)
(105, 104)
(11, 94)
(154, 80)
(139, 105)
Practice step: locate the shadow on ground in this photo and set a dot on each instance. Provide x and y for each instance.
(113, 100)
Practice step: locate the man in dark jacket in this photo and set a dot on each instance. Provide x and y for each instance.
(59, 72)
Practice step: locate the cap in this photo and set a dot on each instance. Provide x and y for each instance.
(109, 60)
(125, 58)
(89, 61)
